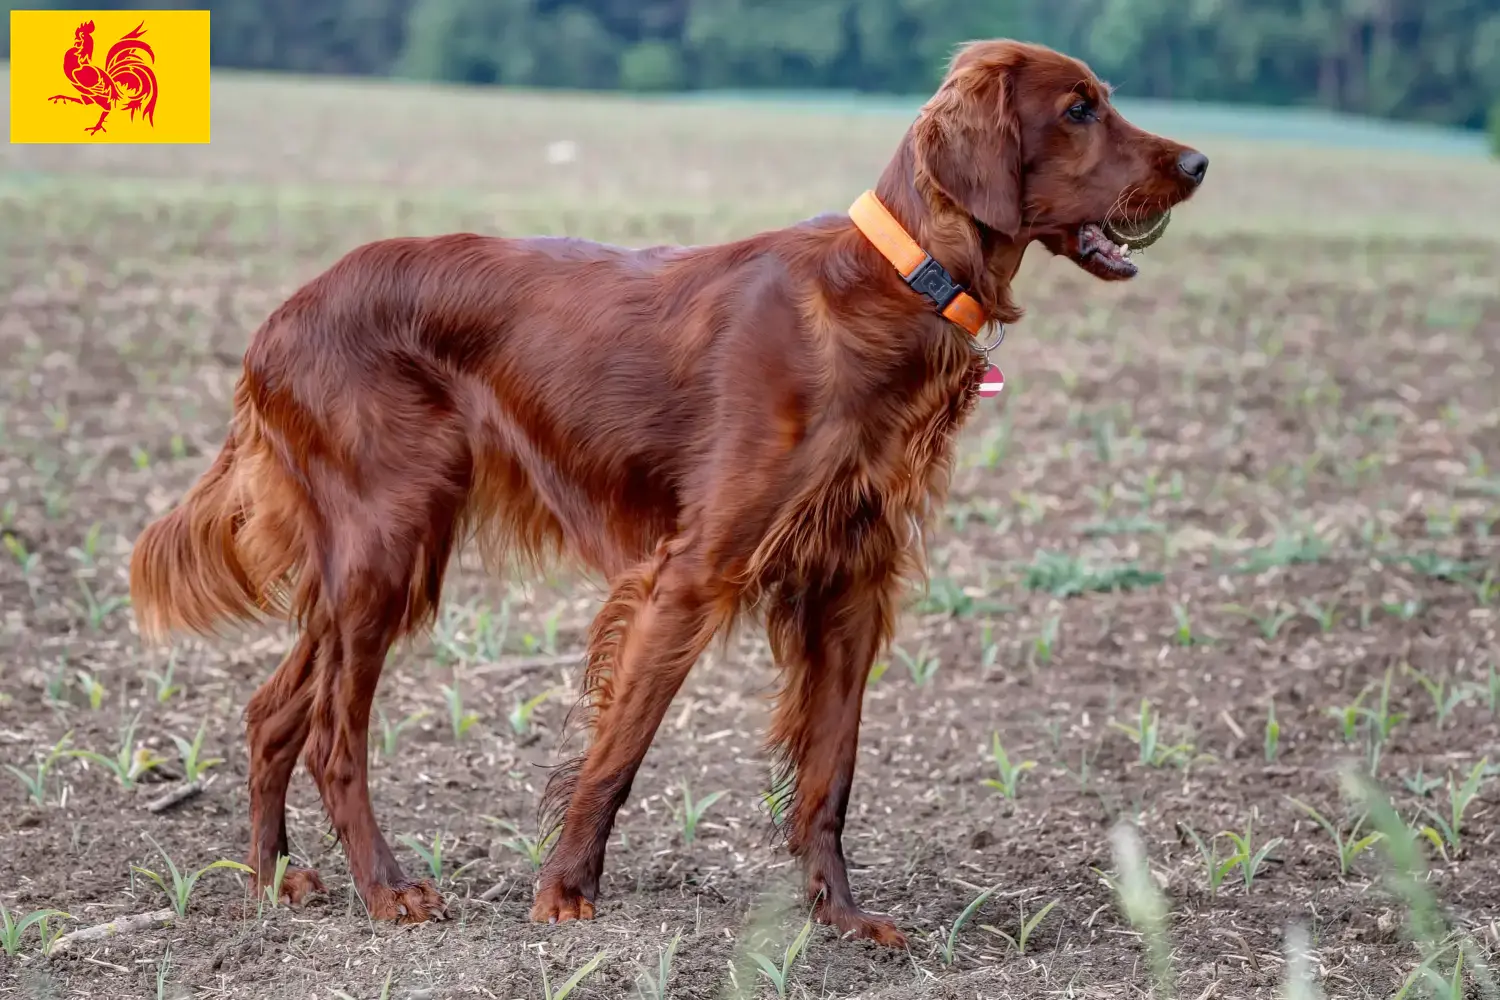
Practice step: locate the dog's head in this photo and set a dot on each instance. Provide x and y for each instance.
(1025, 141)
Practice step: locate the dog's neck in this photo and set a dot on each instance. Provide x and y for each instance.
(979, 258)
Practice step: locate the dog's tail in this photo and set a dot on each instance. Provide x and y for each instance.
(194, 568)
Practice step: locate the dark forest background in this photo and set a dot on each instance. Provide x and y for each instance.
(1417, 60)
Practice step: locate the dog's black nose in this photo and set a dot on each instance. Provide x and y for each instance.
(1194, 164)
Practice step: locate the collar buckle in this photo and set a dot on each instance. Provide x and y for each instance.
(933, 280)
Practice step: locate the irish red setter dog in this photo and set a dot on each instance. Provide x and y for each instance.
(758, 428)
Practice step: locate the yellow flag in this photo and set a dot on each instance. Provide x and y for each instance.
(109, 76)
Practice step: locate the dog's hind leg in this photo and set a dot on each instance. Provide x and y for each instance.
(659, 618)
(382, 577)
(276, 730)
(825, 642)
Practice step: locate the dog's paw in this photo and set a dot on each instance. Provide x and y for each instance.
(856, 923)
(299, 883)
(556, 904)
(406, 902)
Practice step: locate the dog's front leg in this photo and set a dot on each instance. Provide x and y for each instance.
(825, 642)
(658, 620)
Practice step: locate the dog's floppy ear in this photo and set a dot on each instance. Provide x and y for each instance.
(967, 142)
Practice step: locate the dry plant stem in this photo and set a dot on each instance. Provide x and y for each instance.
(175, 797)
(114, 928)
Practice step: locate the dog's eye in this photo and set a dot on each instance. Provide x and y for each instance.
(1081, 112)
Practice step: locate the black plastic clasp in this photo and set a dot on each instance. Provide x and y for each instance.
(933, 280)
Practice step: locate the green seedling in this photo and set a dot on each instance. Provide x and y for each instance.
(1379, 721)
(963, 918)
(92, 689)
(1438, 567)
(1063, 575)
(944, 595)
(1348, 848)
(1419, 784)
(690, 812)
(385, 990)
(165, 689)
(86, 554)
(1326, 617)
(877, 671)
(460, 720)
(775, 974)
(1215, 867)
(193, 765)
(1449, 830)
(1273, 733)
(182, 885)
(1288, 548)
(29, 562)
(1270, 624)
(1139, 524)
(533, 850)
(1043, 645)
(390, 735)
(278, 876)
(36, 782)
(1487, 589)
(1010, 774)
(1027, 926)
(1085, 769)
(129, 761)
(97, 609)
(568, 987)
(1348, 717)
(1146, 734)
(1250, 859)
(989, 649)
(923, 667)
(12, 928)
(520, 715)
(48, 933)
(432, 856)
(472, 634)
(1444, 987)
(654, 987)
(550, 626)
(1183, 633)
(1445, 697)
(56, 691)
(1402, 610)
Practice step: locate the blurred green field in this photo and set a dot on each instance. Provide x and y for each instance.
(1256, 483)
(732, 163)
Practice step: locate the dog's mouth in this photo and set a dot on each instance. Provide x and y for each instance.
(1105, 249)
(1101, 256)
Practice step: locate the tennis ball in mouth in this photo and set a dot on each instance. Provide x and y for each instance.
(1138, 234)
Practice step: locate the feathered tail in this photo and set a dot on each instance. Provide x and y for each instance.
(231, 548)
(132, 75)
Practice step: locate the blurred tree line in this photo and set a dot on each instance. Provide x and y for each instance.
(1428, 60)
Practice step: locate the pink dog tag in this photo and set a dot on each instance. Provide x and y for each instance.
(994, 381)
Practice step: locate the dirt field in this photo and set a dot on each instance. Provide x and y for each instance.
(1262, 474)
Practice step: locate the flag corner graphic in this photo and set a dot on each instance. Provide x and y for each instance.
(109, 76)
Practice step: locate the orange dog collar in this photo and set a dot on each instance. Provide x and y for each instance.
(916, 265)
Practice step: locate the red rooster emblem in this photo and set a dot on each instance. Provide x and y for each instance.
(125, 75)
